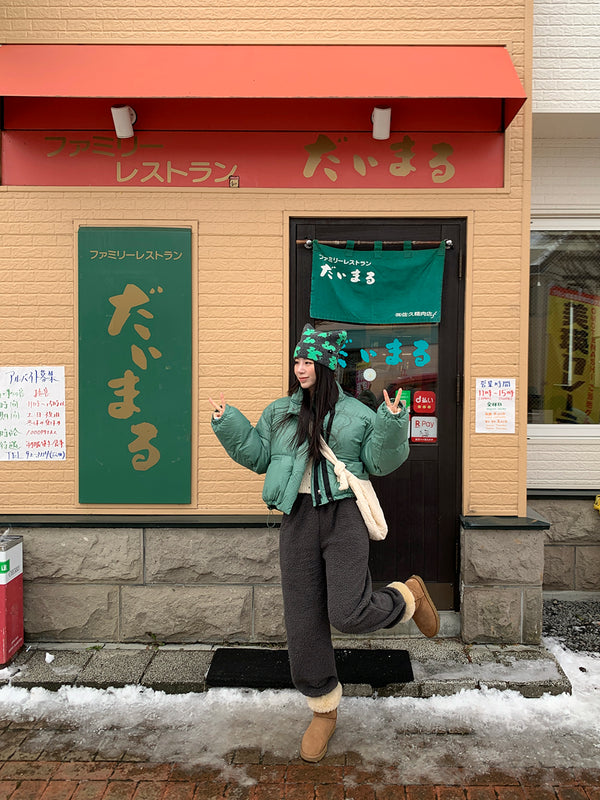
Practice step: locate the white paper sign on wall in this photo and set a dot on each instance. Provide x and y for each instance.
(495, 403)
(32, 414)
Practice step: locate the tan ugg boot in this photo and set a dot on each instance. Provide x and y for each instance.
(426, 617)
(318, 734)
(419, 605)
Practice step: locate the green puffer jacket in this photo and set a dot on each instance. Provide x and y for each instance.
(368, 443)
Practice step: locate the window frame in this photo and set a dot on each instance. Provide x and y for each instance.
(561, 221)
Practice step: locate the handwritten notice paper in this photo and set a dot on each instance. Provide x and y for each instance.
(32, 414)
(495, 405)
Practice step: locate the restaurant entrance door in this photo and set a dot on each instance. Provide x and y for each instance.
(421, 499)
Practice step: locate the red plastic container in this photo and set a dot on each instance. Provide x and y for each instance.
(11, 597)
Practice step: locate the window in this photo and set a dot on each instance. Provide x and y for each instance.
(564, 336)
(391, 357)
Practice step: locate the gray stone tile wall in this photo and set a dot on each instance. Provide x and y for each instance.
(501, 585)
(211, 555)
(211, 585)
(83, 555)
(572, 544)
(152, 584)
(67, 612)
(186, 613)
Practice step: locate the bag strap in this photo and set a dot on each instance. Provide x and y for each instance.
(328, 452)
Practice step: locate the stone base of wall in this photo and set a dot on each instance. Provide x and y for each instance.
(219, 585)
(572, 544)
(160, 585)
(152, 584)
(502, 564)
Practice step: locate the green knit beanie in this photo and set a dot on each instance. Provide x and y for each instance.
(322, 347)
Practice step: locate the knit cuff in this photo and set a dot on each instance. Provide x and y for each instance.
(326, 702)
(408, 597)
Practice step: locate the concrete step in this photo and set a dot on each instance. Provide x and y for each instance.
(441, 666)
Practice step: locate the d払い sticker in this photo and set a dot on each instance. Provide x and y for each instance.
(423, 402)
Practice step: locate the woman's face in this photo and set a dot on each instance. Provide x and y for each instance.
(304, 370)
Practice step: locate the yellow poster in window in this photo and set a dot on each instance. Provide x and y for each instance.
(571, 389)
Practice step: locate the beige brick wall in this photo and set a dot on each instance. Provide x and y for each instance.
(237, 21)
(240, 241)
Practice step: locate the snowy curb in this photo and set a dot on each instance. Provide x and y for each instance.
(441, 667)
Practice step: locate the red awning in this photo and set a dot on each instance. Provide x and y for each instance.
(377, 72)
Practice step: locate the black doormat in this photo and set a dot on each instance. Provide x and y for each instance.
(270, 669)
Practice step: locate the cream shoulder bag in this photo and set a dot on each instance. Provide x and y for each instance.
(366, 499)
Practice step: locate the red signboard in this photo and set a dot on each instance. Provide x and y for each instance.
(454, 160)
(423, 402)
(11, 596)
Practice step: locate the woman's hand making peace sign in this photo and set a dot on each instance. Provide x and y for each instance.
(219, 408)
(395, 406)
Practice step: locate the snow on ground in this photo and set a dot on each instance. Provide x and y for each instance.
(411, 740)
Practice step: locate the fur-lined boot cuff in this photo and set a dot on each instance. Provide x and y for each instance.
(326, 702)
(408, 599)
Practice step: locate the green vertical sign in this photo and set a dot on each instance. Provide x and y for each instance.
(135, 358)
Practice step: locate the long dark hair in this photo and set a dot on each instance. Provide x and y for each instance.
(314, 409)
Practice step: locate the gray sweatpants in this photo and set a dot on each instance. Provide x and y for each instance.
(325, 577)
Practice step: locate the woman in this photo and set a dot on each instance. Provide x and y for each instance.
(324, 544)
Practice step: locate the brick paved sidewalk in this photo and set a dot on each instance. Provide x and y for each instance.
(39, 761)
(49, 767)
(105, 780)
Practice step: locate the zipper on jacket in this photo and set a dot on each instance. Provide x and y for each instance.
(315, 483)
(325, 479)
(317, 494)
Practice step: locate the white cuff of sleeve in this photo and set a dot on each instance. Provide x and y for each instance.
(395, 413)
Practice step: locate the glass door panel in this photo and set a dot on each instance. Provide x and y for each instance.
(391, 357)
